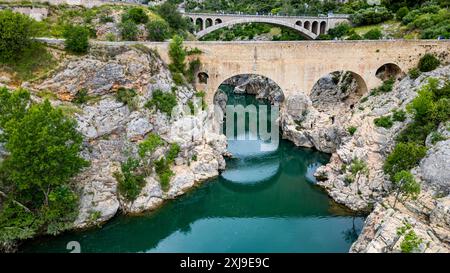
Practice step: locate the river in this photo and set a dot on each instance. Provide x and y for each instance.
(263, 202)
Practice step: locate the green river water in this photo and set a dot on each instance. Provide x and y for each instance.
(263, 202)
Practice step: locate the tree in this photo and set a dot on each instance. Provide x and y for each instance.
(401, 13)
(404, 157)
(405, 183)
(177, 55)
(170, 14)
(371, 16)
(373, 34)
(43, 155)
(158, 30)
(44, 149)
(137, 15)
(16, 31)
(77, 39)
(128, 30)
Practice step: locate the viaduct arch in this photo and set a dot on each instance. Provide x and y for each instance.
(308, 26)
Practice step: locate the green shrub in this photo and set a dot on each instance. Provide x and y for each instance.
(136, 15)
(127, 97)
(358, 166)
(411, 242)
(428, 63)
(436, 137)
(158, 30)
(162, 168)
(150, 144)
(339, 30)
(401, 12)
(128, 30)
(168, 11)
(404, 157)
(416, 132)
(354, 36)
(16, 31)
(104, 18)
(399, 115)
(405, 183)
(385, 122)
(130, 181)
(163, 101)
(194, 67)
(371, 16)
(387, 85)
(373, 34)
(177, 55)
(77, 39)
(173, 152)
(414, 73)
(81, 96)
(351, 130)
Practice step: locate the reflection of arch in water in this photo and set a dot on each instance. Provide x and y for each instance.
(251, 187)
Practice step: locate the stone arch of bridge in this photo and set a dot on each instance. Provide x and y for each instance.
(302, 30)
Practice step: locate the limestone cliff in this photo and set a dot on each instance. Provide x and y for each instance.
(326, 127)
(113, 130)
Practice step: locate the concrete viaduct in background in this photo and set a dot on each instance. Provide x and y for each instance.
(297, 66)
(308, 26)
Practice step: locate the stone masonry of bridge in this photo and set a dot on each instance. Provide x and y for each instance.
(297, 66)
(308, 26)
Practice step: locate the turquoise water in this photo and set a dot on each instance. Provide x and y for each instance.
(264, 202)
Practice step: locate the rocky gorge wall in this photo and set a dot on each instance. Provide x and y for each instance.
(325, 126)
(322, 121)
(112, 130)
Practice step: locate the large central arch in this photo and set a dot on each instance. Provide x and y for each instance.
(305, 32)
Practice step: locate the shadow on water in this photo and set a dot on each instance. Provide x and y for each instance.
(263, 202)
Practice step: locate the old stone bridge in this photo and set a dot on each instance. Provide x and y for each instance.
(297, 66)
(308, 26)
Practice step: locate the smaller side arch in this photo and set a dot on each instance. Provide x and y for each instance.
(323, 27)
(199, 24)
(202, 77)
(388, 71)
(299, 23)
(208, 22)
(307, 25)
(217, 21)
(315, 27)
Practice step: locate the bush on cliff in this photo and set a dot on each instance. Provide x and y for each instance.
(428, 63)
(130, 179)
(404, 157)
(385, 122)
(128, 30)
(163, 101)
(137, 15)
(16, 31)
(77, 39)
(158, 30)
(43, 156)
